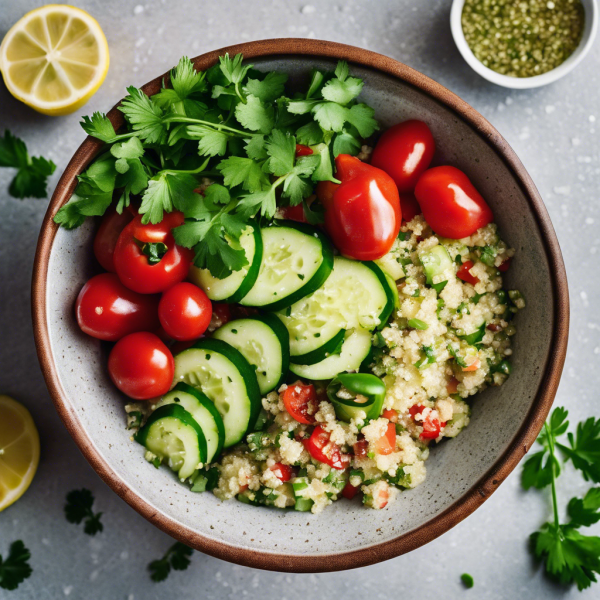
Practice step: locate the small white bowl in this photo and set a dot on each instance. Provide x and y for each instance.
(587, 39)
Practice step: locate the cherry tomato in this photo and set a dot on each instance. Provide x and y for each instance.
(302, 150)
(221, 314)
(465, 274)
(321, 448)
(362, 214)
(451, 205)
(386, 444)
(404, 151)
(282, 472)
(361, 448)
(109, 231)
(431, 424)
(300, 401)
(146, 256)
(293, 213)
(409, 207)
(107, 310)
(141, 366)
(349, 491)
(391, 415)
(184, 311)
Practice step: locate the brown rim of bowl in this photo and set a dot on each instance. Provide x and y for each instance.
(483, 488)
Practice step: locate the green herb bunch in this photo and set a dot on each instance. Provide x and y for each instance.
(569, 555)
(232, 124)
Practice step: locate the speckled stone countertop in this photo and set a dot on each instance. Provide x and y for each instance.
(555, 131)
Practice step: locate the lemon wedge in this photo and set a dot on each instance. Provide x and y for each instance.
(54, 59)
(19, 450)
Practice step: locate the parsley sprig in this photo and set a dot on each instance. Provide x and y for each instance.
(32, 171)
(79, 508)
(14, 569)
(236, 126)
(569, 555)
(176, 557)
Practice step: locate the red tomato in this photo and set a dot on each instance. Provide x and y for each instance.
(302, 150)
(464, 273)
(404, 151)
(361, 448)
(391, 415)
(184, 311)
(451, 205)
(409, 207)
(133, 266)
(293, 213)
(109, 231)
(386, 444)
(431, 424)
(504, 266)
(300, 401)
(349, 491)
(322, 449)
(282, 472)
(107, 310)
(141, 366)
(362, 214)
(221, 314)
(473, 366)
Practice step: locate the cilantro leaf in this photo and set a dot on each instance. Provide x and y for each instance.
(255, 115)
(255, 147)
(145, 116)
(584, 449)
(570, 557)
(79, 508)
(99, 126)
(585, 511)
(309, 134)
(185, 80)
(176, 557)
(232, 68)
(331, 116)
(238, 170)
(212, 141)
(264, 201)
(32, 171)
(296, 186)
(346, 143)
(166, 192)
(281, 149)
(342, 91)
(342, 70)
(88, 200)
(14, 569)
(362, 117)
(269, 89)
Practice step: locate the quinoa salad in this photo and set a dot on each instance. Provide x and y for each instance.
(311, 303)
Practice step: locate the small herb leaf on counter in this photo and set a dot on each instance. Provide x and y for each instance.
(14, 569)
(79, 508)
(176, 557)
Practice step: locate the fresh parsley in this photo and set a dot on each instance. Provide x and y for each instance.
(32, 171)
(569, 556)
(467, 580)
(177, 557)
(79, 508)
(220, 146)
(14, 569)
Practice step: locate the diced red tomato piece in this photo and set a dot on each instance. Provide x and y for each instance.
(293, 213)
(302, 150)
(464, 273)
(321, 448)
(361, 448)
(349, 491)
(504, 266)
(386, 444)
(300, 401)
(282, 472)
(391, 415)
(431, 423)
(221, 314)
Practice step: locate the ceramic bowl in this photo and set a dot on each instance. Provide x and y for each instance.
(590, 29)
(461, 473)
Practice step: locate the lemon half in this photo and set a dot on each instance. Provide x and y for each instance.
(54, 59)
(19, 450)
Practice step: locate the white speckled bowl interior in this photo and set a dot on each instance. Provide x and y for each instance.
(460, 472)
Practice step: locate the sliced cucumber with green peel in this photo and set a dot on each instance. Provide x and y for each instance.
(234, 287)
(354, 350)
(204, 413)
(356, 295)
(330, 347)
(224, 375)
(435, 262)
(297, 259)
(171, 433)
(264, 343)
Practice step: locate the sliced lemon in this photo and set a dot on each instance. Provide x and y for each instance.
(54, 59)
(19, 450)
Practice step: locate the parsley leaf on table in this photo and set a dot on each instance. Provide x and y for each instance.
(585, 511)
(32, 171)
(176, 557)
(584, 449)
(14, 569)
(79, 508)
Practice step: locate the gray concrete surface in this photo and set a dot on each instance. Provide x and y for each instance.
(554, 130)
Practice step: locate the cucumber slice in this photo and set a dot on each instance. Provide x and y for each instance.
(435, 262)
(225, 376)
(234, 287)
(172, 433)
(322, 352)
(354, 350)
(356, 294)
(297, 259)
(204, 413)
(264, 343)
